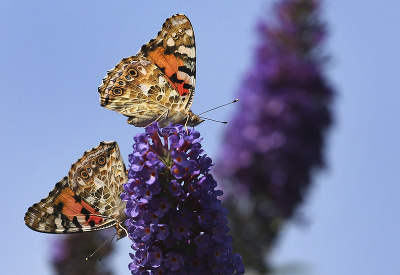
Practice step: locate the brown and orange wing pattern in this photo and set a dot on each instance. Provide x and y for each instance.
(98, 177)
(174, 52)
(69, 209)
(138, 89)
(64, 212)
(158, 83)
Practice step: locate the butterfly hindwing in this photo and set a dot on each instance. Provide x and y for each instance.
(79, 207)
(98, 178)
(137, 88)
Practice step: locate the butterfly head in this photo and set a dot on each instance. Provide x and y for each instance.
(191, 119)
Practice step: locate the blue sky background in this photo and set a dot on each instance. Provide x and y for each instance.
(54, 55)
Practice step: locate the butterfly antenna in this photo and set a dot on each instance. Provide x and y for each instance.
(109, 244)
(108, 239)
(224, 122)
(236, 100)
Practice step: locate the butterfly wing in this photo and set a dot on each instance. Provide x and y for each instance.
(138, 89)
(77, 206)
(63, 212)
(174, 52)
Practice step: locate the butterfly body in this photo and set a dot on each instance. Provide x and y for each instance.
(158, 83)
(88, 199)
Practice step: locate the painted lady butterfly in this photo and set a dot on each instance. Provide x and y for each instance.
(88, 199)
(158, 83)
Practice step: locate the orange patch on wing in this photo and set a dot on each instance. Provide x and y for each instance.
(182, 91)
(170, 64)
(73, 208)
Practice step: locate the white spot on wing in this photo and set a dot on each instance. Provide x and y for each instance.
(145, 89)
(183, 75)
(170, 42)
(161, 80)
(142, 70)
(189, 32)
(50, 209)
(190, 52)
(57, 222)
(81, 219)
(99, 183)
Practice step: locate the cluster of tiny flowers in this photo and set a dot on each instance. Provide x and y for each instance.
(175, 220)
(275, 140)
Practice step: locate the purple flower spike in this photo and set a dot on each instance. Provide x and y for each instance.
(275, 141)
(175, 219)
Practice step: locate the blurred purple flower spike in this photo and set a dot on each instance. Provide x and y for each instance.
(276, 138)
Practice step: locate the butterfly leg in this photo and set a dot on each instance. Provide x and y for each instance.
(121, 231)
(187, 120)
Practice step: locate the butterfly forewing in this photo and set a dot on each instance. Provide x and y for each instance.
(84, 206)
(174, 52)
